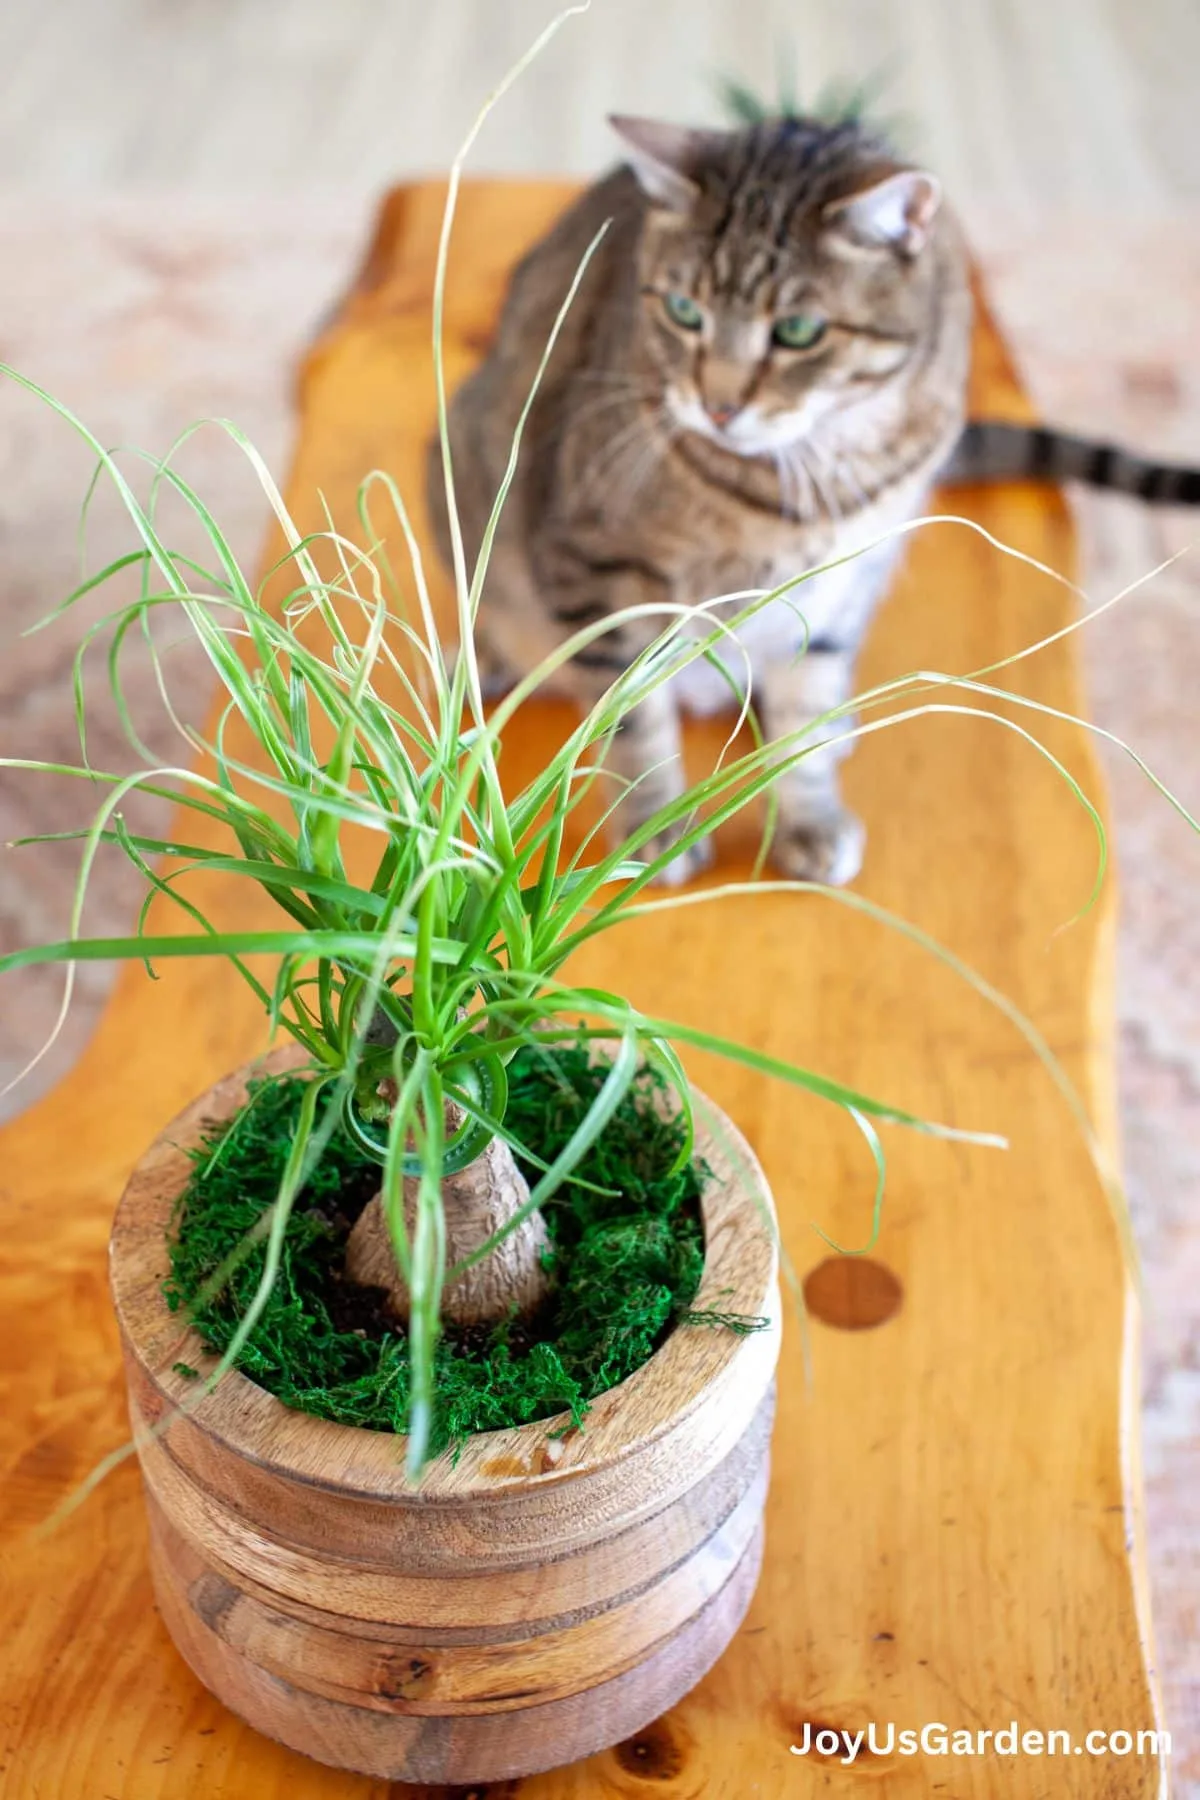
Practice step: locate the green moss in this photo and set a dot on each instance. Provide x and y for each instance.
(628, 1256)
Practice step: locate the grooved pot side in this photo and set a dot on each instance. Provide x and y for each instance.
(534, 1601)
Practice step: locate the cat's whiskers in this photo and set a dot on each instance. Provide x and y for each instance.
(790, 496)
(801, 467)
(610, 455)
(817, 478)
(844, 468)
(608, 403)
(615, 390)
(622, 392)
(661, 432)
(785, 507)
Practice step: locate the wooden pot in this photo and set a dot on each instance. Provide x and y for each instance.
(536, 1600)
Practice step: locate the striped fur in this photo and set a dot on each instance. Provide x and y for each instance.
(992, 450)
(667, 461)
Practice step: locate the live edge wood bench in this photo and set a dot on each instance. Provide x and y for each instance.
(953, 1532)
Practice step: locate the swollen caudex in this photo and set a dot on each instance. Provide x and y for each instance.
(478, 1202)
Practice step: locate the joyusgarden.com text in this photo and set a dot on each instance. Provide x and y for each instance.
(936, 1739)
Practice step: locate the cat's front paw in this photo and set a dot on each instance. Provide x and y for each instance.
(829, 850)
(684, 866)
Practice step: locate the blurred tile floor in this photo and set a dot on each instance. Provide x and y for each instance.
(186, 189)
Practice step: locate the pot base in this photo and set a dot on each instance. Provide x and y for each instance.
(390, 1738)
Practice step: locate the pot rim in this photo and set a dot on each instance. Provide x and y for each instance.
(740, 1275)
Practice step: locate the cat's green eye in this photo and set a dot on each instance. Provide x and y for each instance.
(799, 331)
(683, 312)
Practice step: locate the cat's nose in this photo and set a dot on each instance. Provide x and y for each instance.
(722, 412)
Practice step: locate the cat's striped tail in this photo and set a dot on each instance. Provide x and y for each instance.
(990, 450)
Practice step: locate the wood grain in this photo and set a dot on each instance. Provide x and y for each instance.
(576, 1581)
(953, 1526)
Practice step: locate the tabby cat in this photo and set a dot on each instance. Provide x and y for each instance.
(764, 369)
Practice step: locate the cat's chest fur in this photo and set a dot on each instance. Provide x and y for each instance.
(711, 540)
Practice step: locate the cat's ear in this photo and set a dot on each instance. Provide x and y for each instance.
(664, 158)
(893, 210)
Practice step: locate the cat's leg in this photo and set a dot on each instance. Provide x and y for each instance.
(647, 757)
(582, 585)
(644, 765)
(816, 837)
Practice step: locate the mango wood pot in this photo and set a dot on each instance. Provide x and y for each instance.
(537, 1600)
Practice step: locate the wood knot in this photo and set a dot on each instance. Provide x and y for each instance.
(541, 1460)
(655, 1754)
(506, 1468)
(212, 1598)
(852, 1293)
(405, 1678)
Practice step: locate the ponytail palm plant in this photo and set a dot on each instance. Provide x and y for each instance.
(429, 914)
(409, 987)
